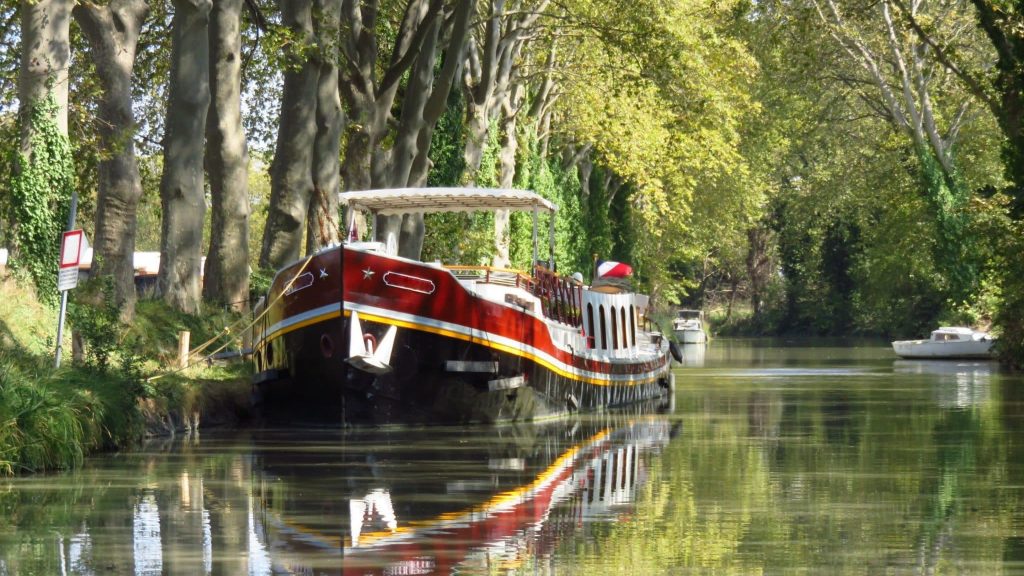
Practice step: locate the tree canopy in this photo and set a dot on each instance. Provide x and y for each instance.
(827, 166)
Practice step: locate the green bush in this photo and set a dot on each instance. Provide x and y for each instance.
(51, 420)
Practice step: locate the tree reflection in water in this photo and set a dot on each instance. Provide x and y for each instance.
(823, 461)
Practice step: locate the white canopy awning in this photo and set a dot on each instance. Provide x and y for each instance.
(403, 200)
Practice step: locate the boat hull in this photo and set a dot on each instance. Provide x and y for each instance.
(456, 357)
(690, 336)
(939, 350)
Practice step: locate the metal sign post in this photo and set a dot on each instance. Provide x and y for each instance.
(67, 274)
(67, 278)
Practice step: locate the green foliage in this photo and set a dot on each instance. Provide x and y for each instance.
(465, 238)
(38, 427)
(259, 202)
(457, 237)
(153, 334)
(50, 420)
(147, 237)
(1009, 317)
(93, 314)
(260, 281)
(41, 190)
(955, 251)
(598, 226)
(447, 144)
(546, 177)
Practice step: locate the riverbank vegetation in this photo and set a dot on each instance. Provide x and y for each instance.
(121, 390)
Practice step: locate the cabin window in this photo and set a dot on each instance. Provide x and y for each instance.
(615, 329)
(591, 342)
(625, 331)
(632, 323)
(604, 334)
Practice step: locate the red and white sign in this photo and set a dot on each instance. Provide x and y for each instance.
(70, 254)
(71, 249)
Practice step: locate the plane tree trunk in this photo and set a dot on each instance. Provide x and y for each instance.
(506, 173)
(182, 196)
(488, 78)
(112, 31)
(46, 50)
(291, 172)
(369, 90)
(227, 163)
(323, 228)
(421, 113)
(370, 98)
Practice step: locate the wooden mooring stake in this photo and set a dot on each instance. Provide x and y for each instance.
(183, 338)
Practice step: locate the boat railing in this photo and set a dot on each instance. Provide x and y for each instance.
(561, 297)
(492, 275)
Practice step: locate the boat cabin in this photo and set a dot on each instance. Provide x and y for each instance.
(690, 315)
(957, 334)
(604, 320)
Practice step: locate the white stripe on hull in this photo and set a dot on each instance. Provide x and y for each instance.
(502, 341)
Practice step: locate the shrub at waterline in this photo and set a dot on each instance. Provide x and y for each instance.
(50, 419)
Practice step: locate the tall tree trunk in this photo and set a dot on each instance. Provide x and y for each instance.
(758, 266)
(113, 33)
(45, 52)
(507, 174)
(491, 66)
(585, 167)
(369, 96)
(227, 162)
(406, 146)
(417, 127)
(422, 107)
(1004, 30)
(477, 124)
(323, 226)
(543, 99)
(479, 82)
(182, 195)
(369, 91)
(291, 173)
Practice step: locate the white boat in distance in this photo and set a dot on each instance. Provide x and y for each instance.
(688, 327)
(947, 342)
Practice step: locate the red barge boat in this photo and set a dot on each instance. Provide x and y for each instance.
(359, 333)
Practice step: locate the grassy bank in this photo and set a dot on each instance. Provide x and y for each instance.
(121, 389)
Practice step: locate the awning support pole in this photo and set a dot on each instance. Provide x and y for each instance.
(535, 224)
(551, 241)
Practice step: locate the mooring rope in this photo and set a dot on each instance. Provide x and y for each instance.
(228, 329)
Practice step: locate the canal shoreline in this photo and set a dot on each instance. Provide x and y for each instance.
(119, 386)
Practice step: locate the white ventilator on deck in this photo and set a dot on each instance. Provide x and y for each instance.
(363, 354)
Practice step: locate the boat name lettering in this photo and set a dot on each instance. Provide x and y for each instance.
(407, 282)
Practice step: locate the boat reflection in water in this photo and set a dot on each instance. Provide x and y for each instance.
(693, 354)
(419, 500)
(394, 510)
(958, 383)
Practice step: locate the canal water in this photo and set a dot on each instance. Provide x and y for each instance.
(774, 457)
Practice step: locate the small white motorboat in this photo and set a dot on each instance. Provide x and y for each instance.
(947, 342)
(688, 327)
